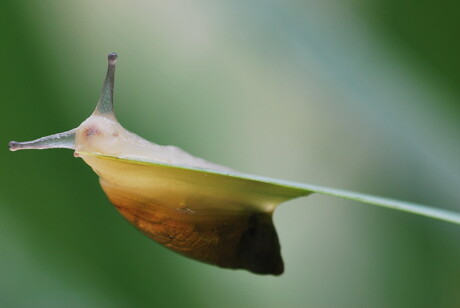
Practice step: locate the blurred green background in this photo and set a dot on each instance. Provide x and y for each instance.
(359, 95)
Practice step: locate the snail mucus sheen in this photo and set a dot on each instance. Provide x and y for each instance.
(196, 208)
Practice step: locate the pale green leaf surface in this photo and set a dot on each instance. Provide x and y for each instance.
(267, 192)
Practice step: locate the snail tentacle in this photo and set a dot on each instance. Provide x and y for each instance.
(65, 140)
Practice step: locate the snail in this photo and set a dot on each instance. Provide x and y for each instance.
(199, 209)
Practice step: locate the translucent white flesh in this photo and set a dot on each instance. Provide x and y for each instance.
(102, 134)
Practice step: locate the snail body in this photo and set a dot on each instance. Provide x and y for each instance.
(199, 209)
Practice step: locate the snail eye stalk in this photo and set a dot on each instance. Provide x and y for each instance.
(105, 103)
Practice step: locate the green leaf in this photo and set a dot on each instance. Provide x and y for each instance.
(267, 192)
